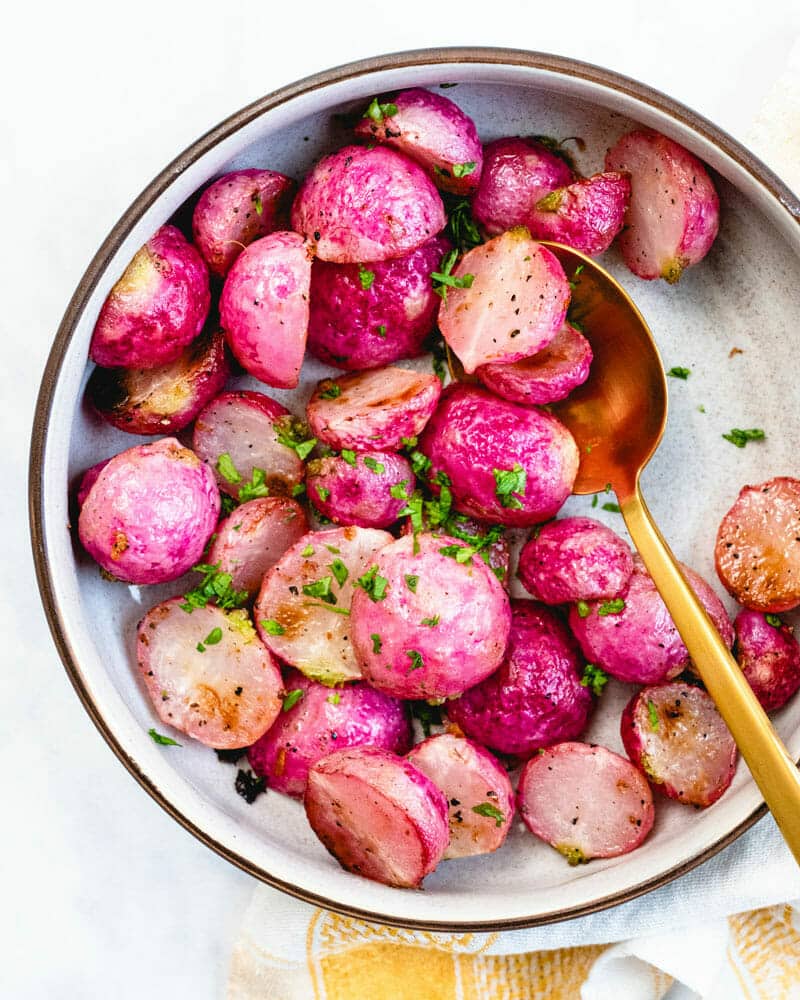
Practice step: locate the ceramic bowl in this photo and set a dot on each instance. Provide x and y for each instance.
(745, 295)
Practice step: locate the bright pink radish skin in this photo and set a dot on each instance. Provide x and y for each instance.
(318, 720)
(431, 130)
(360, 204)
(673, 216)
(478, 792)
(166, 399)
(536, 697)
(150, 512)
(675, 735)
(586, 215)
(246, 426)
(156, 308)
(378, 815)
(374, 409)
(303, 608)
(544, 377)
(514, 305)
(474, 437)
(585, 801)
(575, 559)
(434, 626)
(254, 537)
(769, 656)
(634, 638)
(208, 674)
(356, 488)
(264, 308)
(365, 316)
(237, 209)
(87, 481)
(516, 174)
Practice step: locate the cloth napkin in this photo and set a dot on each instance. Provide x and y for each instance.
(727, 930)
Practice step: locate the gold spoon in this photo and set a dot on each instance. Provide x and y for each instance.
(617, 418)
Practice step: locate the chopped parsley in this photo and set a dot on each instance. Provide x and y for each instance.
(681, 373)
(322, 492)
(443, 279)
(462, 554)
(417, 663)
(334, 699)
(307, 552)
(327, 607)
(615, 607)
(377, 112)
(430, 622)
(374, 465)
(257, 203)
(464, 169)
(773, 620)
(271, 627)
(573, 284)
(490, 811)
(420, 463)
(399, 491)
(333, 391)
(163, 741)
(213, 637)
(583, 609)
(349, 456)
(333, 550)
(611, 507)
(249, 786)
(321, 589)
(293, 433)
(377, 643)
(366, 278)
(740, 437)
(461, 227)
(216, 587)
(652, 712)
(509, 482)
(381, 330)
(227, 504)
(594, 500)
(411, 582)
(595, 678)
(374, 584)
(227, 469)
(291, 698)
(257, 487)
(298, 489)
(340, 571)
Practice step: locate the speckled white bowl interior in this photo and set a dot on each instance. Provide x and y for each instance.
(745, 295)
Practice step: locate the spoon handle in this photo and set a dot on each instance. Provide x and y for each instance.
(770, 764)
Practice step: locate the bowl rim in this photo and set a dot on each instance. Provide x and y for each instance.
(542, 61)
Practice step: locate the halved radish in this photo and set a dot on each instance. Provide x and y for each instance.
(478, 792)
(255, 432)
(208, 674)
(544, 377)
(586, 801)
(254, 537)
(586, 215)
(510, 302)
(675, 735)
(264, 307)
(377, 815)
(758, 546)
(673, 215)
(303, 609)
(373, 410)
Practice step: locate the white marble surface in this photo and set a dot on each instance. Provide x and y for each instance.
(103, 895)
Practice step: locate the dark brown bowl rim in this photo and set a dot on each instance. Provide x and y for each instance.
(399, 60)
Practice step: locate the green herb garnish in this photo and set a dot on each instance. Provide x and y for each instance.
(615, 607)
(381, 330)
(349, 456)
(163, 741)
(259, 207)
(377, 112)
(213, 637)
(291, 698)
(293, 433)
(227, 469)
(216, 587)
(681, 373)
(256, 487)
(307, 552)
(428, 715)
(321, 589)
(611, 507)
(430, 622)
(340, 571)
(399, 491)
(374, 584)
(652, 711)
(443, 279)
(334, 699)
(460, 553)
(740, 437)
(417, 663)
(411, 582)
(595, 678)
(773, 620)
(490, 811)
(322, 492)
(461, 227)
(377, 643)
(507, 483)
(374, 465)
(583, 609)
(271, 627)
(463, 169)
(333, 391)
(365, 277)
